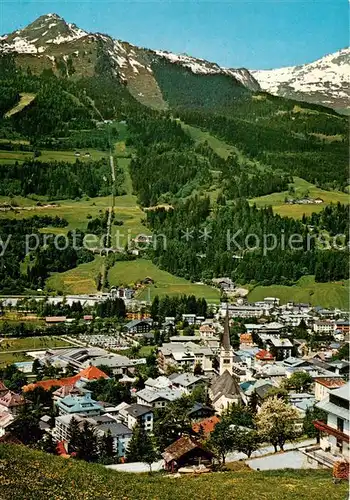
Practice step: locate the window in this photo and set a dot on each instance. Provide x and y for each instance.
(340, 424)
(343, 403)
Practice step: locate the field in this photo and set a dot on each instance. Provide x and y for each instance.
(49, 155)
(31, 343)
(276, 200)
(8, 358)
(80, 280)
(328, 295)
(49, 477)
(25, 99)
(127, 273)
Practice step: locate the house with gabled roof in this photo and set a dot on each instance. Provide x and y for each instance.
(157, 398)
(12, 402)
(186, 452)
(79, 404)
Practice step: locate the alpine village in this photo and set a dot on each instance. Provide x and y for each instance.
(174, 273)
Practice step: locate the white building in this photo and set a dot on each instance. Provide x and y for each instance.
(131, 415)
(324, 327)
(324, 385)
(157, 398)
(335, 433)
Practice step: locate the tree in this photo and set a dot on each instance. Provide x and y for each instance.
(74, 435)
(26, 426)
(248, 441)
(36, 367)
(223, 439)
(86, 443)
(300, 381)
(239, 415)
(149, 451)
(343, 352)
(142, 447)
(276, 422)
(171, 422)
(106, 448)
(312, 414)
(47, 444)
(198, 370)
(253, 403)
(278, 392)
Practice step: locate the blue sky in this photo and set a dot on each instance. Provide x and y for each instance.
(254, 34)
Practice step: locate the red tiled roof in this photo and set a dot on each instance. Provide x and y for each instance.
(263, 354)
(330, 382)
(89, 373)
(208, 425)
(61, 449)
(48, 384)
(92, 373)
(246, 338)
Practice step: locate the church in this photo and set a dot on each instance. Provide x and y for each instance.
(224, 390)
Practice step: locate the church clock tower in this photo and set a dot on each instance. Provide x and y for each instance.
(226, 351)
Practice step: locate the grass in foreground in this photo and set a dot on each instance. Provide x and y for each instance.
(334, 294)
(29, 475)
(128, 273)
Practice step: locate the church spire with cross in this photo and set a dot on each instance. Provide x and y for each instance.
(226, 350)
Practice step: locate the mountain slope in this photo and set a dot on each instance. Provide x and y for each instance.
(52, 43)
(325, 81)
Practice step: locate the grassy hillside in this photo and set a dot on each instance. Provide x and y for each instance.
(79, 280)
(301, 186)
(165, 283)
(306, 290)
(30, 475)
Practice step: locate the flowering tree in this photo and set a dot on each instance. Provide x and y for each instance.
(276, 422)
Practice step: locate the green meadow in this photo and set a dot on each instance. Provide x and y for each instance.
(334, 294)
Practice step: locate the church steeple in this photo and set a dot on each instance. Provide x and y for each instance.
(226, 351)
(225, 342)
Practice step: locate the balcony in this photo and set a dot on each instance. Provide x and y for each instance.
(341, 436)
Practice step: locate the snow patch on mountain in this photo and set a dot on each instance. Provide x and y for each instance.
(328, 75)
(198, 66)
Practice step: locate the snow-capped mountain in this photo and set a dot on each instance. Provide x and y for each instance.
(38, 36)
(51, 42)
(325, 81)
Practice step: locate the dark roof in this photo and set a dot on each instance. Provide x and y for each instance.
(137, 410)
(181, 447)
(198, 407)
(133, 323)
(116, 429)
(262, 390)
(226, 385)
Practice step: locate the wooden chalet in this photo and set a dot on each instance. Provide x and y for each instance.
(186, 452)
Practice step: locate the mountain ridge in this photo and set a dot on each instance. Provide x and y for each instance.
(324, 81)
(50, 42)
